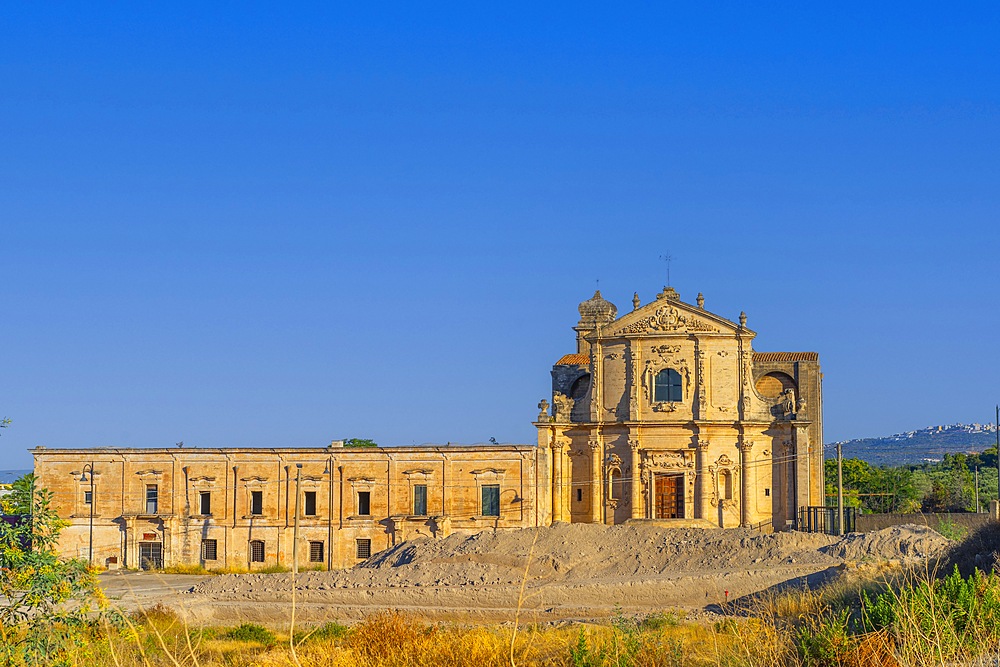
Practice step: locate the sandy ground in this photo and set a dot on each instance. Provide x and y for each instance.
(568, 572)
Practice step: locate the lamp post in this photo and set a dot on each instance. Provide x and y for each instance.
(295, 530)
(328, 470)
(83, 478)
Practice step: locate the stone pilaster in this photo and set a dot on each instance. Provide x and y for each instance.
(746, 488)
(595, 481)
(558, 508)
(702, 483)
(635, 484)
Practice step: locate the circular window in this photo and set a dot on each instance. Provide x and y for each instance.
(773, 385)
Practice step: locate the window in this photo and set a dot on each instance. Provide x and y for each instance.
(310, 503)
(364, 548)
(668, 387)
(315, 552)
(256, 551)
(88, 497)
(364, 504)
(256, 503)
(205, 503)
(726, 482)
(579, 495)
(491, 500)
(152, 495)
(767, 493)
(209, 550)
(420, 500)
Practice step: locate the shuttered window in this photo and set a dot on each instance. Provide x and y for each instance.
(420, 500)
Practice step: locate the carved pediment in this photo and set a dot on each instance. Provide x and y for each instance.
(669, 315)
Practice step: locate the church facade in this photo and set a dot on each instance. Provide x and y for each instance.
(665, 413)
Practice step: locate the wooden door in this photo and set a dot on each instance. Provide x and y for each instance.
(669, 496)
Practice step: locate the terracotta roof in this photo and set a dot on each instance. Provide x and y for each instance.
(785, 356)
(574, 360)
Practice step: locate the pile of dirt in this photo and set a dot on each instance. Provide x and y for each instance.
(979, 551)
(904, 543)
(592, 554)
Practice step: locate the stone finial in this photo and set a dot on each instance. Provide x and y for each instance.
(701, 300)
(743, 320)
(596, 310)
(635, 301)
(669, 293)
(543, 415)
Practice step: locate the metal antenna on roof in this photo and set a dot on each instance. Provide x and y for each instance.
(667, 259)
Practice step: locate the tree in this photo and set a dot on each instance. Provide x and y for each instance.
(37, 626)
(360, 442)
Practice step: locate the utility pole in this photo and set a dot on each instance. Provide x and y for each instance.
(295, 531)
(840, 490)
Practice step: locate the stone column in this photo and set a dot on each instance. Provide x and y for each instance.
(636, 483)
(702, 483)
(745, 487)
(557, 480)
(595, 481)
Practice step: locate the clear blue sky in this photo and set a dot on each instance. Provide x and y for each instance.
(239, 225)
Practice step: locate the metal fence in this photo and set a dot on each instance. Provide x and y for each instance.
(821, 519)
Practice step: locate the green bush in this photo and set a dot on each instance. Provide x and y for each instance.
(251, 632)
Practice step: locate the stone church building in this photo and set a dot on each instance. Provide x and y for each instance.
(665, 413)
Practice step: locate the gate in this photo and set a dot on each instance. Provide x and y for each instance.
(151, 555)
(822, 519)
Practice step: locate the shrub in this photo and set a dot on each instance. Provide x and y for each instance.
(251, 632)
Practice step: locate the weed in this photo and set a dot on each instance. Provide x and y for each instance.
(252, 633)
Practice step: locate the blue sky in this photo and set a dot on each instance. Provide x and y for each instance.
(246, 224)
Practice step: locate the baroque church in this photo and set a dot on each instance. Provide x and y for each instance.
(667, 412)
(664, 414)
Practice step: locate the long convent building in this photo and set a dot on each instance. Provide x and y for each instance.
(665, 413)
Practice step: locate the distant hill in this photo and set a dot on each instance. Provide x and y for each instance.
(8, 476)
(927, 444)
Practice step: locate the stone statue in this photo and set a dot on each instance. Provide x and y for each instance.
(800, 405)
(543, 415)
(788, 402)
(562, 406)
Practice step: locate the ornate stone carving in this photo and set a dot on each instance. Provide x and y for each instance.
(723, 461)
(787, 403)
(667, 318)
(562, 407)
(664, 407)
(660, 460)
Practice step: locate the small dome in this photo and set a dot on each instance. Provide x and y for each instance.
(597, 310)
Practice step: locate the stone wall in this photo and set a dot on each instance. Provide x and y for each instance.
(965, 520)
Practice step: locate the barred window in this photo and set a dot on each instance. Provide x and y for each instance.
(256, 551)
(364, 548)
(209, 550)
(491, 500)
(315, 552)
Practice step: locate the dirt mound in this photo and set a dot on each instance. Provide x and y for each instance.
(980, 550)
(576, 571)
(907, 542)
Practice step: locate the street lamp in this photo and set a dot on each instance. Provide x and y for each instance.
(83, 478)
